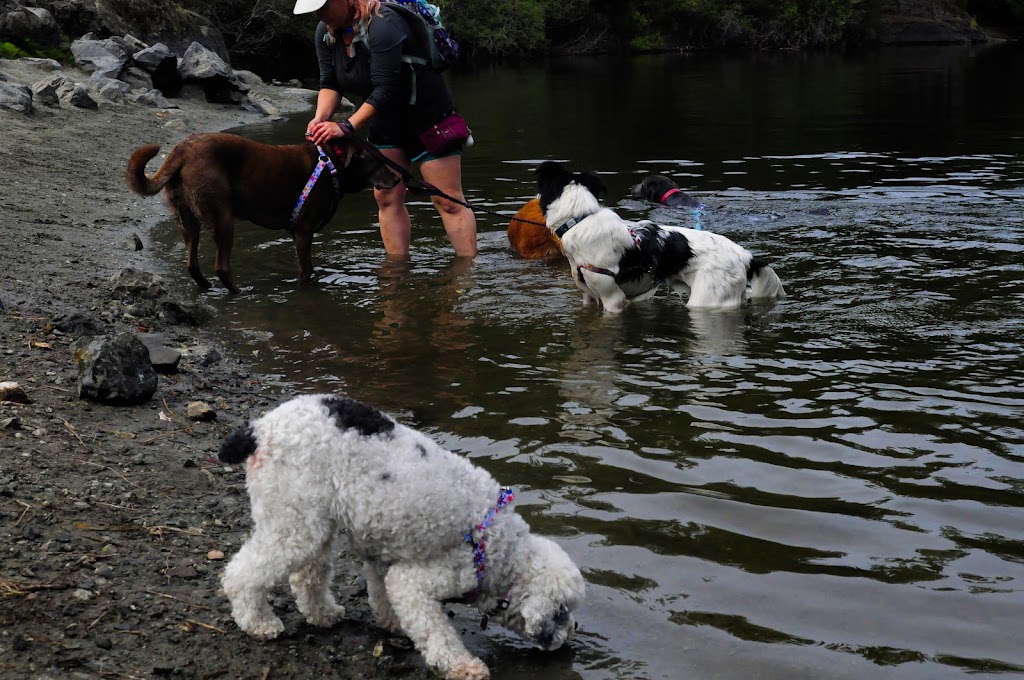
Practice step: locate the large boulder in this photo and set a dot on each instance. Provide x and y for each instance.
(205, 68)
(151, 57)
(162, 66)
(150, 21)
(200, 63)
(22, 25)
(106, 57)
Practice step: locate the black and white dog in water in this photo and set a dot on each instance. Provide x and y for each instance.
(661, 189)
(614, 261)
(428, 524)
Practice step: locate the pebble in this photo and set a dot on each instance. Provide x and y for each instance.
(215, 555)
(82, 594)
(104, 643)
(200, 411)
(104, 571)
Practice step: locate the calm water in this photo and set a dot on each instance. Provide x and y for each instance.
(830, 486)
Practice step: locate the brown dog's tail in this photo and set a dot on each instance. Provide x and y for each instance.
(139, 182)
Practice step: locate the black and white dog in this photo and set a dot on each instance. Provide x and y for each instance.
(615, 262)
(661, 189)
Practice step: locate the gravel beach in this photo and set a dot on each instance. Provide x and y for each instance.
(116, 521)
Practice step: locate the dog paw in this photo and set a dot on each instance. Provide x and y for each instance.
(327, 616)
(473, 670)
(264, 630)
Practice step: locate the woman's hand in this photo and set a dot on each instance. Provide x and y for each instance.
(327, 130)
(313, 123)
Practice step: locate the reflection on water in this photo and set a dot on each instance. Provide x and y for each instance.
(830, 486)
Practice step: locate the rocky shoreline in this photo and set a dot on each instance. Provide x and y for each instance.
(115, 520)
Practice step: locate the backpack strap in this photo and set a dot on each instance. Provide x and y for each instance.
(408, 16)
(417, 39)
(411, 61)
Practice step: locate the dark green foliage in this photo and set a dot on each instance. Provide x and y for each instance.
(519, 26)
(1008, 14)
(265, 32)
(29, 48)
(255, 27)
(10, 51)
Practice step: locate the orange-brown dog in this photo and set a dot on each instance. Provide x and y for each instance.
(529, 236)
(213, 179)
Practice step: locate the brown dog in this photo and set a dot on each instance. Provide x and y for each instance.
(529, 236)
(213, 179)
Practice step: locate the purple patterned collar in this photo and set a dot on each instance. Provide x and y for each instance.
(505, 496)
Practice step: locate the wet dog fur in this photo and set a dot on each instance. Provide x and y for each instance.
(661, 189)
(529, 236)
(614, 261)
(213, 179)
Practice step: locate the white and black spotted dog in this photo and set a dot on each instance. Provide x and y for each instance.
(429, 525)
(615, 261)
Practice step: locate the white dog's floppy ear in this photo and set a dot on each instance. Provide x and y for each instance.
(238, 445)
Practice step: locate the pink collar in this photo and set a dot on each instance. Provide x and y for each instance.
(669, 193)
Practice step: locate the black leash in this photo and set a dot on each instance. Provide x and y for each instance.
(425, 187)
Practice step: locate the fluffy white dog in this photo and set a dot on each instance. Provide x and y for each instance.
(614, 261)
(429, 524)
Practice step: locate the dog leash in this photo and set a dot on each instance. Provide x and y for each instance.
(426, 187)
(323, 162)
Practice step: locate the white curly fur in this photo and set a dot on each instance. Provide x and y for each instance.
(405, 505)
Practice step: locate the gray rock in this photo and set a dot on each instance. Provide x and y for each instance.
(151, 98)
(114, 370)
(133, 242)
(184, 313)
(200, 63)
(15, 97)
(178, 125)
(133, 43)
(42, 63)
(164, 359)
(108, 89)
(78, 324)
(137, 79)
(47, 90)
(107, 57)
(260, 104)
(138, 284)
(205, 356)
(151, 57)
(3, 78)
(32, 23)
(204, 68)
(246, 78)
(76, 95)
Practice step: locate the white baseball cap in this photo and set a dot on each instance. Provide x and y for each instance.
(307, 6)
